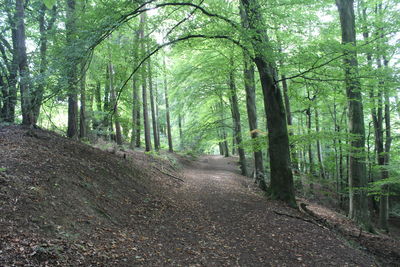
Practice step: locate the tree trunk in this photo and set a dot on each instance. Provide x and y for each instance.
(9, 90)
(71, 74)
(281, 174)
(310, 154)
(157, 115)
(114, 103)
(237, 127)
(43, 30)
(170, 147)
(138, 126)
(250, 87)
(358, 206)
(135, 133)
(154, 117)
(289, 119)
(83, 118)
(180, 131)
(106, 106)
(319, 149)
(97, 98)
(225, 143)
(24, 85)
(146, 122)
(135, 109)
(223, 131)
(384, 200)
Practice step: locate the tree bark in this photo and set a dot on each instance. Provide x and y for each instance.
(24, 84)
(358, 206)
(289, 119)
(237, 127)
(43, 30)
(106, 106)
(154, 117)
(83, 126)
(135, 136)
(384, 199)
(319, 148)
(9, 89)
(146, 122)
(97, 98)
(138, 126)
(250, 87)
(281, 174)
(180, 131)
(71, 73)
(114, 103)
(170, 146)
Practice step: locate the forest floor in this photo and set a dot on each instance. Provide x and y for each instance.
(68, 204)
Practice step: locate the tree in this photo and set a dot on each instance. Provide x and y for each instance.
(281, 174)
(71, 70)
(169, 132)
(25, 83)
(250, 87)
(146, 122)
(237, 128)
(153, 107)
(358, 206)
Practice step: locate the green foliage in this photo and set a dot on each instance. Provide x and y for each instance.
(49, 3)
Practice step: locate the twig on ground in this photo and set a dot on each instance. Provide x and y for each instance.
(168, 174)
(298, 217)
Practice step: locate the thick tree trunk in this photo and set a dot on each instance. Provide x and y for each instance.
(358, 206)
(281, 174)
(237, 127)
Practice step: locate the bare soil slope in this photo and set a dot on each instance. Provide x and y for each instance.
(66, 203)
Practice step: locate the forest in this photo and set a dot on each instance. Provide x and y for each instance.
(303, 95)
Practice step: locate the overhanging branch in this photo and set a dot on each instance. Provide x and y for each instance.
(159, 47)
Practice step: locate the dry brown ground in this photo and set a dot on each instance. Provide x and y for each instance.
(65, 203)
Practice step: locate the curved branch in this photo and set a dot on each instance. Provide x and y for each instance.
(159, 47)
(136, 12)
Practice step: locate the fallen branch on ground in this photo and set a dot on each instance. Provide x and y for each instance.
(299, 218)
(168, 174)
